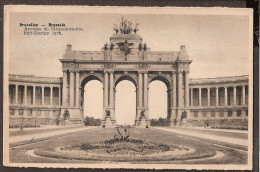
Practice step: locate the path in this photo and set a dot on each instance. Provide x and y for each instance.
(15, 139)
(236, 141)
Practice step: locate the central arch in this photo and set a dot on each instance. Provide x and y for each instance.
(125, 99)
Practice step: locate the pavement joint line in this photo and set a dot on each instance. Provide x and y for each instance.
(209, 142)
(45, 139)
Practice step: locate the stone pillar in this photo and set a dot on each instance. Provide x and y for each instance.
(111, 90)
(106, 90)
(64, 89)
(77, 89)
(235, 95)
(42, 95)
(243, 95)
(51, 95)
(225, 96)
(59, 89)
(199, 97)
(187, 89)
(16, 93)
(216, 96)
(145, 90)
(174, 100)
(25, 95)
(140, 89)
(208, 91)
(191, 97)
(180, 95)
(34, 102)
(71, 88)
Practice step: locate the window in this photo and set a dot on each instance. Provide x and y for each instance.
(29, 112)
(11, 111)
(204, 114)
(213, 114)
(195, 114)
(238, 113)
(38, 113)
(230, 113)
(20, 112)
(221, 113)
(246, 112)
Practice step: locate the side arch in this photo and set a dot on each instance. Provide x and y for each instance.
(85, 78)
(165, 78)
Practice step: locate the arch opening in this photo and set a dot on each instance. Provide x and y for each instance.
(125, 102)
(91, 100)
(158, 103)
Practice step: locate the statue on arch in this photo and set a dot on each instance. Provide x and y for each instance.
(107, 113)
(142, 113)
(115, 28)
(136, 28)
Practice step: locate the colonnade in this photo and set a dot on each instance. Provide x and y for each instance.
(217, 101)
(25, 88)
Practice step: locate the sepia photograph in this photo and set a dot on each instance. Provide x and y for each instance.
(128, 87)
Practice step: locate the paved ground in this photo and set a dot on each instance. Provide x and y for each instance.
(232, 155)
(220, 136)
(47, 132)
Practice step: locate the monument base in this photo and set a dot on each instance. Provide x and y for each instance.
(108, 123)
(75, 115)
(142, 123)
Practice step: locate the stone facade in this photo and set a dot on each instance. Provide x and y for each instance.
(126, 57)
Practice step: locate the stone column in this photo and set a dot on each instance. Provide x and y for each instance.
(180, 95)
(208, 91)
(106, 90)
(25, 95)
(191, 97)
(140, 89)
(77, 89)
(51, 95)
(145, 90)
(16, 93)
(42, 95)
(225, 96)
(59, 89)
(187, 89)
(174, 100)
(235, 95)
(71, 88)
(34, 102)
(243, 95)
(111, 90)
(199, 97)
(64, 89)
(216, 96)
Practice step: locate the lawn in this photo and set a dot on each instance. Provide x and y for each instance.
(18, 155)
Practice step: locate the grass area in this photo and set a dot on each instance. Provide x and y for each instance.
(91, 136)
(39, 130)
(216, 133)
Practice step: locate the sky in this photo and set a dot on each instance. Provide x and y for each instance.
(218, 45)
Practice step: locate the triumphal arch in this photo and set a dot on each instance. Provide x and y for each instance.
(126, 57)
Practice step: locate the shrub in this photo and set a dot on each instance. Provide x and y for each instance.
(90, 121)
